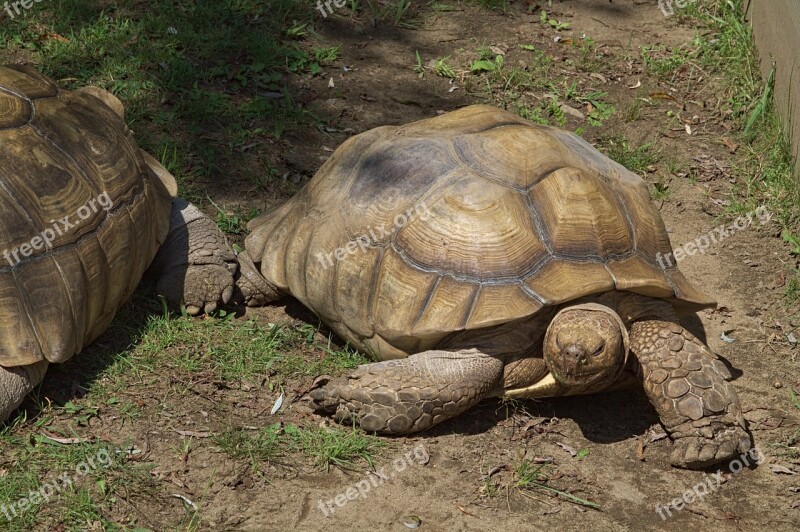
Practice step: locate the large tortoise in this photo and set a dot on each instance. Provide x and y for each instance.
(476, 254)
(83, 212)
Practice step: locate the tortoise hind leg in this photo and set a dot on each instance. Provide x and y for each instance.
(688, 386)
(195, 265)
(411, 394)
(16, 383)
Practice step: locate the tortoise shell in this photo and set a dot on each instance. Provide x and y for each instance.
(82, 214)
(469, 220)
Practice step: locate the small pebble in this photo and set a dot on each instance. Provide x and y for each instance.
(778, 384)
(412, 521)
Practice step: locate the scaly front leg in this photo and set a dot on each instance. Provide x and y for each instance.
(411, 394)
(688, 386)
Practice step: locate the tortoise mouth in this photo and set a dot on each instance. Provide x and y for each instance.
(569, 368)
(570, 376)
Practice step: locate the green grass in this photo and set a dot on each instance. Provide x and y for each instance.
(497, 5)
(196, 90)
(98, 475)
(256, 447)
(237, 350)
(400, 13)
(335, 446)
(791, 292)
(532, 476)
(664, 63)
(234, 223)
(147, 342)
(593, 102)
(789, 448)
(443, 68)
(637, 159)
(513, 87)
(187, 350)
(724, 51)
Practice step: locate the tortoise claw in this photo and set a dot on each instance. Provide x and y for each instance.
(698, 452)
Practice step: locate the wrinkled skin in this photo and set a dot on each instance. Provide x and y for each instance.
(16, 383)
(195, 266)
(585, 351)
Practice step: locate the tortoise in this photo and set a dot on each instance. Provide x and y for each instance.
(476, 254)
(83, 212)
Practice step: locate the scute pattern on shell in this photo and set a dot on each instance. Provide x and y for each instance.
(501, 218)
(60, 151)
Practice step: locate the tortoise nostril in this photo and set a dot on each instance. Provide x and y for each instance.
(575, 353)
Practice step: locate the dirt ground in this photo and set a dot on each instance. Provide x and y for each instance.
(743, 273)
(463, 481)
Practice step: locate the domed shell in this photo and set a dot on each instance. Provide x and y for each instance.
(81, 217)
(468, 220)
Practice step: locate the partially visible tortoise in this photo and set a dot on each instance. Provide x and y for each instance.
(476, 254)
(82, 213)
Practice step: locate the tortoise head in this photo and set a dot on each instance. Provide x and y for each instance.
(586, 345)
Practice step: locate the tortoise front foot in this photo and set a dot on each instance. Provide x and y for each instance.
(252, 288)
(195, 265)
(688, 386)
(412, 394)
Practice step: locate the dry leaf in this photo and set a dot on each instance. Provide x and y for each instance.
(567, 448)
(572, 111)
(55, 37)
(732, 146)
(67, 441)
(464, 511)
(640, 449)
(781, 470)
(277, 406)
(661, 96)
(193, 434)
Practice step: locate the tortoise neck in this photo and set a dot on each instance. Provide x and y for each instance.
(631, 307)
